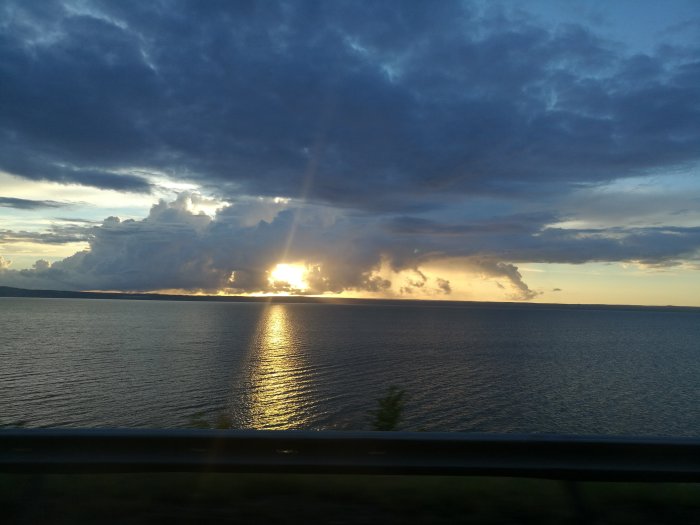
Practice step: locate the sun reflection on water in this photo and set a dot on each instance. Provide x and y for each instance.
(279, 376)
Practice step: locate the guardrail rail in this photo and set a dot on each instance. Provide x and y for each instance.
(418, 453)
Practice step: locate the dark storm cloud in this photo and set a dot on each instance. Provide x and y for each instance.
(651, 245)
(513, 224)
(535, 241)
(408, 100)
(36, 169)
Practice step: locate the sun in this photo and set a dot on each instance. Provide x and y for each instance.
(289, 274)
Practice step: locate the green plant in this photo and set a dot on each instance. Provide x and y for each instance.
(390, 409)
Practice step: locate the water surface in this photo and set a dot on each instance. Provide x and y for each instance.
(123, 363)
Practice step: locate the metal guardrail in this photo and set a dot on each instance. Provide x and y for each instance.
(538, 456)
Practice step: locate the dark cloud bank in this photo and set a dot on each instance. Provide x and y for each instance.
(384, 122)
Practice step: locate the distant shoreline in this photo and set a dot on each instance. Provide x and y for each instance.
(7, 291)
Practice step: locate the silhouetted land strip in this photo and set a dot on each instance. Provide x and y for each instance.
(7, 291)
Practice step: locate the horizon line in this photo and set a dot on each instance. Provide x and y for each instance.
(10, 291)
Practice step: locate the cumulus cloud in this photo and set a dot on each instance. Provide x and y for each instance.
(177, 248)
(444, 286)
(41, 265)
(496, 268)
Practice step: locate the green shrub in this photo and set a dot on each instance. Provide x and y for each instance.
(390, 409)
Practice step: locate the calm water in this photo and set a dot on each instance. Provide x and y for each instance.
(78, 362)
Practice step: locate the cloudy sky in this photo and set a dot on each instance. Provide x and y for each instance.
(545, 151)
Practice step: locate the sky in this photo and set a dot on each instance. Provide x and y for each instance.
(544, 151)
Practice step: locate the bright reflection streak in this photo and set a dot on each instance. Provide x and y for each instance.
(279, 377)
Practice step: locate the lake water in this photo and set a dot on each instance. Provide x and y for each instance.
(121, 363)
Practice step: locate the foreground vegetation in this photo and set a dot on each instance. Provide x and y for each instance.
(257, 498)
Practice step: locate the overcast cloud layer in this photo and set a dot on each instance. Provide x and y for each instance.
(403, 132)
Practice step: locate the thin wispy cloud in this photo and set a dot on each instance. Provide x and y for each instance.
(28, 204)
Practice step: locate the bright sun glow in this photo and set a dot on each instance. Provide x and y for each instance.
(290, 274)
